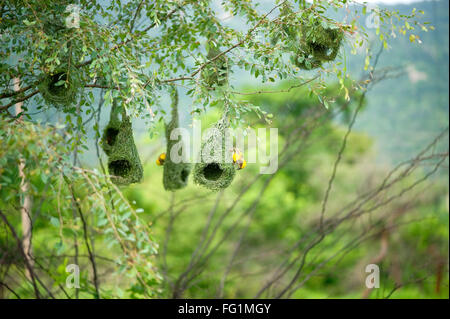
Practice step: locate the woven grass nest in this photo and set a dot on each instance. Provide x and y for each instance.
(61, 88)
(318, 44)
(117, 142)
(216, 72)
(175, 175)
(215, 172)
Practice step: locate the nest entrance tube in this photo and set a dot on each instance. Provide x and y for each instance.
(111, 135)
(111, 131)
(117, 142)
(215, 170)
(185, 175)
(176, 174)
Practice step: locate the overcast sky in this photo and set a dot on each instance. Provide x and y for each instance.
(390, 1)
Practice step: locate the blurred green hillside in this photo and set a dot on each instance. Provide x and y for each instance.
(405, 112)
(254, 234)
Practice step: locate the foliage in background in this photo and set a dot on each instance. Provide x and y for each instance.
(230, 245)
(68, 199)
(131, 52)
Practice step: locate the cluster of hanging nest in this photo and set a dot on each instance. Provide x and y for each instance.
(215, 169)
(117, 142)
(316, 44)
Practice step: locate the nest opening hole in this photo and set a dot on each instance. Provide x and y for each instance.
(319, 48)
(111, 135)
(184, 175)
(55, 78)
(120, 167)
(212, 172)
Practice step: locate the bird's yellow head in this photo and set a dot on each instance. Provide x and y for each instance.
(238, 158)
(242, 163)
(160, 160)
(237, 155)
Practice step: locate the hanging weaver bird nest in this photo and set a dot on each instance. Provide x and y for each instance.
(175, 174)
(215, 170)
(124, 165)
(61, 88)
(318, 44)
(216, 72)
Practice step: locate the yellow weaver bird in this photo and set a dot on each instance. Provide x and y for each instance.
(238, 159)
(160, 160)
